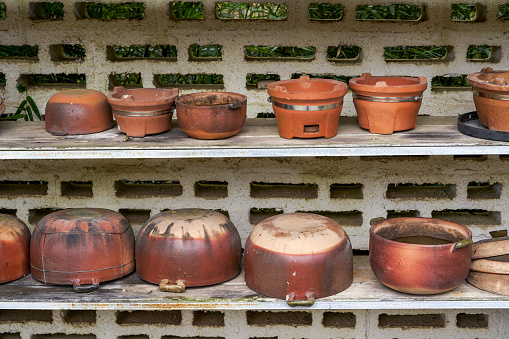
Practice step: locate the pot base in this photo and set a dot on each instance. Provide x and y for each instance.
(138, 127)
(387, 118)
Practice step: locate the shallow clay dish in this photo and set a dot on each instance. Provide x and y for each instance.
(498, 264)
(490, 282)
(490, 247)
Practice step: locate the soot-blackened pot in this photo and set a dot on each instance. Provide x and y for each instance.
(298, 257)
(82, 247)
(14, 248)
(188, 247)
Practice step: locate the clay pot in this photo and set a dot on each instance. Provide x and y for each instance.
(307, 108)
(211, 115)
(427, 268)
(188, 247)
(386, 104)
(2, 106)
(14, 248)
(82, 247)
(78, 111)
(491, 98)
(298, 257)
(143, 111)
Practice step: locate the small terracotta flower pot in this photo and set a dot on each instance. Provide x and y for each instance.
(143, 111)
(211, 115)
(491, 98)
(307, 108)
(387, 104)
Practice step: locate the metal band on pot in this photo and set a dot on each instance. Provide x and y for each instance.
(305, 108)
(491, 95)
(142, 113)
(387, 99)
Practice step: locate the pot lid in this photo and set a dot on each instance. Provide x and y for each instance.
(11, 228)
(80, 96)
(297, 233)
(84, 220)
(142, 99)
(498, 264)
(490, 79)
(307, 89)
(388, 84)
(490, 247)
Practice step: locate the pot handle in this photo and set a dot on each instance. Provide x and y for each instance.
(308, 302)
(461, 244)
(166, 286)
(235, 105)
(77, 287)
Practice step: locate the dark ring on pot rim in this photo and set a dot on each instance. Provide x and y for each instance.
(142, 113)
(387, 99)
(305, 108)
(491, 95)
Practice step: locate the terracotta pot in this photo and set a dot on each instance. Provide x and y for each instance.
(143, 111)
(420, 268)
(78, 111)
(2, 106)
(82, 247)
(298, 257)
(211, 115)
(307, 108)
(491, 95)
(386, 104)
(188, 247)
(14, 248)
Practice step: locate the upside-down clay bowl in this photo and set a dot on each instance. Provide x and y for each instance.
(298, 257)
(14, 248)
(78, 111)
(82, 247)
(187, 248)
(386, 104)
(143, 111)
(420, 268)
(211, 115)
(307, 107)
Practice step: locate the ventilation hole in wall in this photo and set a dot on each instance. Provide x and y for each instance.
(205, 52)
(266, 116)
(325, 12)
(263, 337)
(294, 318)
(35, 215)
(208, 318)
(24, 52)
(159, 188)
(128, 80)
(503, 12)
(23, 188)
(339, 319)
(3, 80)
(344, 218)
(343, 53)
(134, 336)
(468, 12)
(149, 317)
(421, 191)
(10, 335)
(450, 82)
(3, 11)
(80, 317)
(411, 321)
(360, 252)
(141, 52)
(418, 53)
(187, 10)
(260, 81)
(483, 190)
(196, 81)
(342, 78)
(67, 52)
(250, 11)
(391, 214)
(279, 52)
(76, 189)
(23, 316)
(134, 216)
(484, 53)
(211, 189)
(46, 11)
(9, 211)
(256, 215)
(198, 337)
(394, 12)
(478, 158)
(346, 191)
(281, 190)
(62, 336)
(124, 10)
(223, 212)
(469, 217)
(395, 158)
(61, 79)
(465, 320)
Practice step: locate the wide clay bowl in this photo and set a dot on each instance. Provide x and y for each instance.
(307, 107)
(298, 257)
(491, 98)
(78, 111)
(14, 248)
(420, 255)
(143, 111)
(82, 246)
(386, 104)
(186, 248)
(211, 115)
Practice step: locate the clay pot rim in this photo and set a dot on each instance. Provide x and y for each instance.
(180, 99)
(418, 87)
(308, 96)
(475, 82)
(169, 98)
